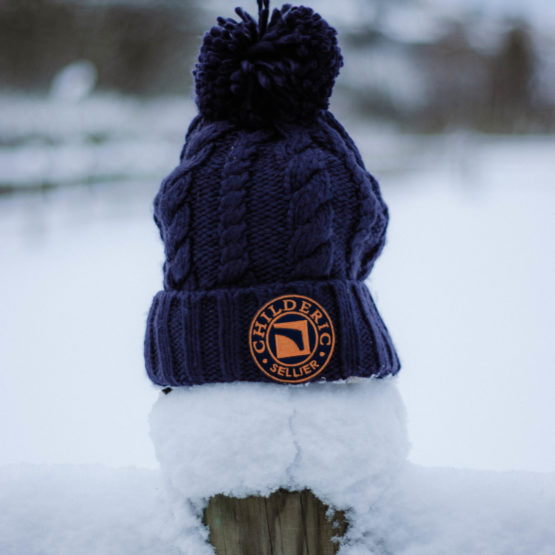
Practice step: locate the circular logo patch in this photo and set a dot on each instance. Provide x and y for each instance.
(291, 339)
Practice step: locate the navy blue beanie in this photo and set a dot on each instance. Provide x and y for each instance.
(270, 222)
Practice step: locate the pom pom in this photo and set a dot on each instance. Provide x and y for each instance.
(281, 68)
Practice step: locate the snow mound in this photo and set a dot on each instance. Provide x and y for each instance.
(255, 438)
(433, 511)
(346, 442)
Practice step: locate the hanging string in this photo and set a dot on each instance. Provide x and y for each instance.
(263, 15)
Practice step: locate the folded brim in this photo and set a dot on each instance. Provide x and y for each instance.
(197, 337)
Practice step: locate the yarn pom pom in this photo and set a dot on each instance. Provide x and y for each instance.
(281, 68)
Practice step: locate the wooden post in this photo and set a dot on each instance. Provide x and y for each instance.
(285, 523)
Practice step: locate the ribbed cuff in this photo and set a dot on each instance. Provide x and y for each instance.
(196, 337)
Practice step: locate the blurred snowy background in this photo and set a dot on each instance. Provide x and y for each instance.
(452, 103)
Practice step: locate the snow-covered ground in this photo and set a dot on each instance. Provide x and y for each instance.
(465, 286)
(346, 442)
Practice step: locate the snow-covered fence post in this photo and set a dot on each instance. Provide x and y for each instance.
(265, 326)
(226, 449)
(283, 523)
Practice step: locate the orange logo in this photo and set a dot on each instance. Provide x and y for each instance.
(291, 339)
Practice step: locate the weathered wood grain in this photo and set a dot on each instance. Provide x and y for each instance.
(285, 523)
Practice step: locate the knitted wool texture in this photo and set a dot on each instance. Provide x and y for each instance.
(270, 198)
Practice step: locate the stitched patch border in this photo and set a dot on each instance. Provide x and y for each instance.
(292, 339)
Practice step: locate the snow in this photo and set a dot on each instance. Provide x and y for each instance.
(439, 510)
(464, 285)
(74, 390)
(474, 271)
(255, 438)
(345, 441)
(77, 510)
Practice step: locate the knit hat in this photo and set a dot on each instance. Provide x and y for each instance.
(270, 222)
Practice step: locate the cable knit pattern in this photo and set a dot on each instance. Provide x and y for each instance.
(178, 267)
(332, 122)
(375, 243)
(172, 210)
(234, 257)
(371, 250)
(363, 232)
(369, 228)
(270, 199)
(310, 215)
